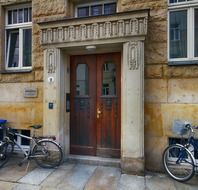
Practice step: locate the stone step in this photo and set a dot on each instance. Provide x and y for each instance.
(93, 160)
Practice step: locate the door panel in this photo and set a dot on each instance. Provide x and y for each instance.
(95, 105)
(108, 103)
(83, 99)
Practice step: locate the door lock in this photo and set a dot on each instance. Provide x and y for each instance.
(98, 113)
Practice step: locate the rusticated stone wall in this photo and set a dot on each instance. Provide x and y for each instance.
(170, 91)
(19, 111)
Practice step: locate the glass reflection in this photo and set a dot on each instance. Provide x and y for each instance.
(109, 79)
(82, 86)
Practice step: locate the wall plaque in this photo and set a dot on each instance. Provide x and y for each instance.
(30, 92)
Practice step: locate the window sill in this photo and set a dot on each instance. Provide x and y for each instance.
(16, 71)
(175, 63)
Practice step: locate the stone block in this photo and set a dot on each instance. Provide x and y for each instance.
(153, 71)
(17, 77)
(153, 120)
(14, 92)
(154, 147)
(187, 71)
(183, 91)
(171, 112)
(157, 32)
(155, 52)
(132, 165)
(38, 75)
(155, 90)
(22, 115)
(46, 8)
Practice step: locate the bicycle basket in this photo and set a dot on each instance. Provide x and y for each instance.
(179, 127)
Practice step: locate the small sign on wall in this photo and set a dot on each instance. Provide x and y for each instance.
(30, 92)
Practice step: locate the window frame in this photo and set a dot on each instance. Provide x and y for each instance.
(90, 4)
(19, 27)
(190, 8)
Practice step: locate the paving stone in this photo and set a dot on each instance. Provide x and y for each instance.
(6, 185)
(104, 178)
(159, 182)
(55, 178)
(77, 177)
(26, 187)
(36, 176)
(189, 185)
(131, 182)
(12, 172)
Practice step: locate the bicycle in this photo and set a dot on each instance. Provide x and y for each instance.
(44, 150)
(178, 159)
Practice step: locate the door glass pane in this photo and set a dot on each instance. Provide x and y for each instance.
(96, 10)
(109, 8)
(13, 49)
(82, 85)
(27, 47)
(178, 34)
(83, 11)
(109, 79)
(196, 32)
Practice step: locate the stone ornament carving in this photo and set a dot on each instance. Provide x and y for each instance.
(133, 56)
(102, 28)
(51, 61)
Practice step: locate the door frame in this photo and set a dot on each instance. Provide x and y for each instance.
(97, 122)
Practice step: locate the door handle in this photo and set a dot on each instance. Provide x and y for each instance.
(98, 113)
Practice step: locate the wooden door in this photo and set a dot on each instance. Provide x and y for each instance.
(95, 105)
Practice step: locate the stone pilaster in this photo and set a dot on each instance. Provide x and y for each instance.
(53, 102)
(132, 107)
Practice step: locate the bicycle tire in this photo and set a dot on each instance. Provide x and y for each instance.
(178, 162)
(6, 150)
(47, 153)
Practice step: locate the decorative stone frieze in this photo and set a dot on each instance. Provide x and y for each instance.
(102, 27)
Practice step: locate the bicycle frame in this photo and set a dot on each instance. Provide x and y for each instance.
(32, 144)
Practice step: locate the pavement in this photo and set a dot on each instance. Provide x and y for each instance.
(70, 176)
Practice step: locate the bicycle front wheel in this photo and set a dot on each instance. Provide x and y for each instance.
(178, 162)
(6, 149)
(47, 154)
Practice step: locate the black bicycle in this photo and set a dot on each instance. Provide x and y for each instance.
(44, 150)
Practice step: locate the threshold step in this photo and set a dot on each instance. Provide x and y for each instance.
(93, 160)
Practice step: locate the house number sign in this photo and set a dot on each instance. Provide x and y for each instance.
(30, 92)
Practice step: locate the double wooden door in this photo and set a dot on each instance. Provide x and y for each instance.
(95, 105)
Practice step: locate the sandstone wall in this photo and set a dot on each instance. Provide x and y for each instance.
(170, 91)
(19, 111)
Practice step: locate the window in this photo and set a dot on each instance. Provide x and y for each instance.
(183, 141)
(96, 9)
(22, 141)
(19, 38)
(183, 32)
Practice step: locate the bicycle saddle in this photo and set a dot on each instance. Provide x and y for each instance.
(36, 126)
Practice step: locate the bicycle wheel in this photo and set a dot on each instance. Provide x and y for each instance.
(6, 149)
(178, 162)
(47, 154)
